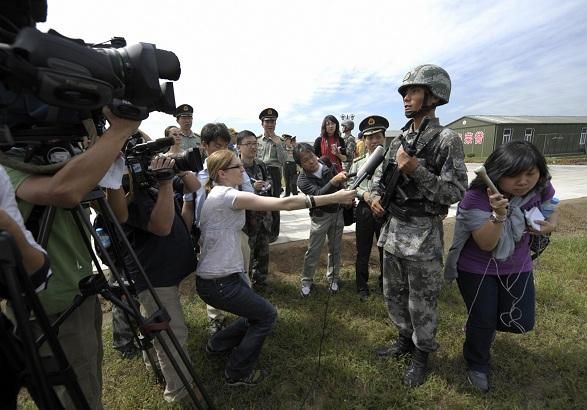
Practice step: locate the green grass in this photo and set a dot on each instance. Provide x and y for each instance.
(545, 368)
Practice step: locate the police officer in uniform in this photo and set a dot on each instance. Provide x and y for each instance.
(184, 117)
(350, 143)
(432, 179)
(271, 151)
(367, 226)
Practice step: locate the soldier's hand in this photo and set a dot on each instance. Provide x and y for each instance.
(405, 162)
(376, 207)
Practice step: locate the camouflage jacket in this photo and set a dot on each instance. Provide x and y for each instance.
(350, 150)
(439, 181)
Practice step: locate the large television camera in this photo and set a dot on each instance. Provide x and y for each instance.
(53, 88)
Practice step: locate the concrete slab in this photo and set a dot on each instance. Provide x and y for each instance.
(570, 181)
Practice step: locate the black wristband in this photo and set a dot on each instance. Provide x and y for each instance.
(312, 201)
(165, 174)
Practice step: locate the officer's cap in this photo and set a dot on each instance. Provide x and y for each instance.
(268, 113)
(373, 124)
(184, 110)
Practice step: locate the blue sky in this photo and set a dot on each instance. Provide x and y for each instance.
(311, 58)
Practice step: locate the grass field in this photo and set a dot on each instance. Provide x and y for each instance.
(545, 368)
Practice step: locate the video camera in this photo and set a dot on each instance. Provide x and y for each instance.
(139, 156)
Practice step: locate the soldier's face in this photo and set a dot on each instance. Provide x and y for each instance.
(309, 161)
(414, 98)
(268, 125)
(185, 122)
(373, 140)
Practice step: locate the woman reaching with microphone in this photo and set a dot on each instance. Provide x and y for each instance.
(219, 274)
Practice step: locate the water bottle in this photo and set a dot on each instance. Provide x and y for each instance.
(547, 208)
(104, 238)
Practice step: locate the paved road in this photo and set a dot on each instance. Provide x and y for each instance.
(570, 181)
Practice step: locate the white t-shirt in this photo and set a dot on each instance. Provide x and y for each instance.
(220, 227)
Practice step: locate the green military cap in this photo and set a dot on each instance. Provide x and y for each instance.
(184, 110)
(268, 113)
(373, 124)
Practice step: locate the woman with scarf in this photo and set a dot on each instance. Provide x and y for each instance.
(330, 144)
(490, 255)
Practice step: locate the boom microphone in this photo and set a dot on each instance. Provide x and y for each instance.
(368, 168)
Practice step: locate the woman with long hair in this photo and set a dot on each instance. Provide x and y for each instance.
(219, 273)
(330, 144)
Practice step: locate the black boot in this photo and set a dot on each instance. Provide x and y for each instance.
(417, 369)
(403, 345)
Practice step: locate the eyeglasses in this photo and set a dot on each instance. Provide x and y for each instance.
(249, 144)
(233, 167)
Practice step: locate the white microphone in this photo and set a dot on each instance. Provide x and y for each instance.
(368, 168)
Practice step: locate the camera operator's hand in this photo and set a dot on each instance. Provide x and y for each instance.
(162, 167)
(122, 125)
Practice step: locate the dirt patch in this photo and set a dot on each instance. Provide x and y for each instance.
(287, 258)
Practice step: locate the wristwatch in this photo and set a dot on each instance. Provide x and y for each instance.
(496, 219)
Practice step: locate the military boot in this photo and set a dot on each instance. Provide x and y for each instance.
(417, 370)
(403, 345)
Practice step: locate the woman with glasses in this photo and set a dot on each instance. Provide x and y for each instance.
(219, 274)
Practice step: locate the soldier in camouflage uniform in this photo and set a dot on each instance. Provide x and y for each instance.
(258, 223)
(350, 143)
(412, 237)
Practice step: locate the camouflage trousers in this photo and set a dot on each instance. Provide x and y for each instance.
(410, 291)
(259, 244)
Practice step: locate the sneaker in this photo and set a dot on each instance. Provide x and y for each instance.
(333, 287)
(215, 326)
(306, 289)
(128, 351)
(479, 380)
(252, 379)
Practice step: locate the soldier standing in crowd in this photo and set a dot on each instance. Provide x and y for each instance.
(290, 170)
(347, 126)
(184, 116)
(433, 176)
(367, 226)
(272, 152)
(258, 223)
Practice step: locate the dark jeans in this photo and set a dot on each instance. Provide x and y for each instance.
(244, 336)
(290, 175)
(365, 230)
(494, 308)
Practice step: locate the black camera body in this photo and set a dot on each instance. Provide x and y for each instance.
(139, 156)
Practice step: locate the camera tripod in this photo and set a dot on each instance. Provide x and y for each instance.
(37, 373)
(150, 327)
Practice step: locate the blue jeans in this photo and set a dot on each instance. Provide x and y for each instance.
(246, 335)
(494, 308)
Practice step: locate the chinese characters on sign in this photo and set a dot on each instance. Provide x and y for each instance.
(472, 138)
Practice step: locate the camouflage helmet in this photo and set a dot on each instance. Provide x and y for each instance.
(348, 125)
(433, 77)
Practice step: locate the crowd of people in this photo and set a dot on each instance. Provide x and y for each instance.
(217, 223)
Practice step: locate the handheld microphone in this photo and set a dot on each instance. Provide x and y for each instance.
(368, 168)
(482, 173)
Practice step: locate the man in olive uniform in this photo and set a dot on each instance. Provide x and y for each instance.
(184, 117)
(271, 151)
(367, 226)
(350, 143)
(433, 176)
